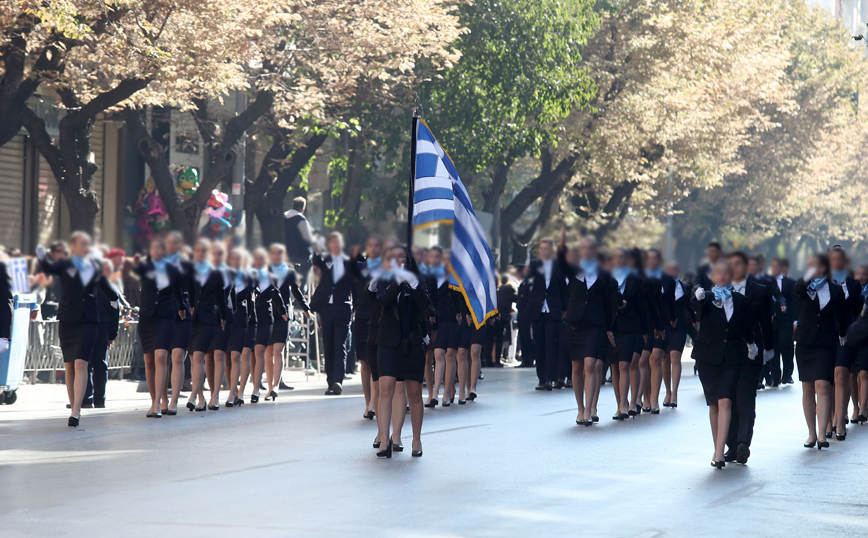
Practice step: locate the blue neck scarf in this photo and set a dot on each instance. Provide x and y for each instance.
(172, 258)
(203, 269)
(722, 293)
(160, 265)
(621, 274)
(387, 275)
(424, 269)
(264, 278)
(79, 262)
(589, 267)
(280, 270)
(654, 273)
(437, 271)
(374, 264)
(817, 283)
(839, 276)
(240, 280)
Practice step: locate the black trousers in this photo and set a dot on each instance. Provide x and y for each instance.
(744, 406)
(500, 331)
(565, 363)
(335, 329)
(546, 335)
(784, 351)
(97, 370)
(525, 342)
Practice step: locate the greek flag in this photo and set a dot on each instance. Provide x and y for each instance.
(18, 275)
(440, 197)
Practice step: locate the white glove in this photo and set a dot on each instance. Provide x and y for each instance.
(426, 340)
(842, 340)
(768, 355)
(402, 275)
(700, 294)
(4, 344)
(40, 252)
(752, 351)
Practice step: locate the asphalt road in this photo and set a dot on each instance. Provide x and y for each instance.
(511, 464)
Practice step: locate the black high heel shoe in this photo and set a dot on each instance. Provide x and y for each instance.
(164, 411)
(673, 405)
(201, 409)
(861, 419)
(829, 435)
(617, 416)
(171, 413)
(623, 416)
(447, 403)
(239, 402)
(432, 404)
(191, 406)
(647, 409)
(369, 415)
(376, 444)
(416, 453)
(822, 444)
(655, 411)
(229, 403)
(595, 418)
(810, 444)
(254, 398)
(462, 402)
(73, 421)
(841, 436)
(471, 397)
(631, 413)
(720, 464)
(214, 407)
(387, 453)
(396, 447)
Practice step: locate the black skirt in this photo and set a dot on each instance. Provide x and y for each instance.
(77, 340)
(372, 355)
(181, 334)
(156, 333)
(662, 343)
(238, 338)
(861, 361)
(466, 336)
(221, 338)
(279, 332)
(649, 345)
(586, 342)
(392, 363)
(640, 345)
(360, 339)
(816, 363)
(263, 334)
(675, 340)
(448, 335)
(250, 339)
(718, 381)
(479, 335)
(625, 347)
(845, 356)
(202, 337)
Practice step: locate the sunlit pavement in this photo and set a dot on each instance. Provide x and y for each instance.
(512, 464)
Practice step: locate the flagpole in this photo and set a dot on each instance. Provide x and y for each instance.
(412, 189)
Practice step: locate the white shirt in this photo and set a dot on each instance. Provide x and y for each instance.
(780, 280)
(728, 308)
(823, 295)
(547, 273)
(161, 279)
(739, 287)
(679, 291)
(846, 291)
(338, 268)
(87, 274)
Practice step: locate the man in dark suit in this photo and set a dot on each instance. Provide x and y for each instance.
(333, 301)
(525, 323)
(784, 317)
(714, 252)
(547, 301)
(298, 238)
(756, 266)
(761, 344)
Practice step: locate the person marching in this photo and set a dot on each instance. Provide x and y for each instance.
(243, 333)
(661, 298)
(721, 343)
(820, 328)
(218, 360)
(446, 343)
(592, 292)
(367, 266)
(846, 354)
(677, 336)
(208, 307)
(183, 323)
(162, 299)
(78, 314)
(269, 307)
(545, 306)
(629, 328)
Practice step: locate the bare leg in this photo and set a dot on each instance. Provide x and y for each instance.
(723, 419)
(234, 375)
(365, 370)
(625, 369)
(150, 376)
(197, 372)
(854, 395)
(842, 398)
(429, 368)
(399, 411)
(414, 397)
(635, 380)
(439, 371)
(656, 378)
(463, 372)
(824, 403)
(246, 357)
(675, 359)
(578, 378)
(616, 385)
(713, 415)
(178, 356)
(809, 406)
(384, 409)
(161, 367)
(258, 366)
(667, 377)
(590, 379)
(475, 365)
(451, 371)
(79, 381)
(216, 379)
(276, 367)
(863, 392)
(644, 379)
(269, 368)
(599, 379)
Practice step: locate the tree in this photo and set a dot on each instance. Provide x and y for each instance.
(95, 57)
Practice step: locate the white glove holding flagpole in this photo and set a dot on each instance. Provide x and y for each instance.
(700, 294)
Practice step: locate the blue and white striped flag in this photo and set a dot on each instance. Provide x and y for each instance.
(18, 275)
(440, 197)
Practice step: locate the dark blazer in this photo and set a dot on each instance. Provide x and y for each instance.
(78, 302)
(857, 334)
(209, 299)
(109, 313)
(329, 294)
(683, 312)
(403, 314)
(376, 312)
(820, 327)
(660, 298)
(760, 301)
(290, 291)
(269, 303)
(590, 307)
(6, 302)
(229, 292)
(165, 303)
(784, 320)
(720, 341)
(361, 297)
(632, 317)
(244, 312)
(555, 295)
(853, 299)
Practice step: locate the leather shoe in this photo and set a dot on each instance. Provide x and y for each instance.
(728, 456)
(742, 453)
(335, 389)
(547, 386)
(559, 384)
(87, 405)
